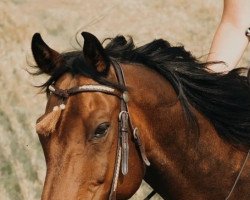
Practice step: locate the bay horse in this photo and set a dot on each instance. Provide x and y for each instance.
(119, 114)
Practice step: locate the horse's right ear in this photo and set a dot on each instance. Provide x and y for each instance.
(45, 57)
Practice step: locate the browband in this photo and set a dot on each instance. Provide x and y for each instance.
(85, 88)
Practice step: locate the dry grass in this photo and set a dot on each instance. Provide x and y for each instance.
(22, 166)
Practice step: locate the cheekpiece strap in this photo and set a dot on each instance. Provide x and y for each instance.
(124, 129)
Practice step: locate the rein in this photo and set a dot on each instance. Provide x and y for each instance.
(238, 177)
(124, 122)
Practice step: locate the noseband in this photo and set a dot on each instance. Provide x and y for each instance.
(125, 124)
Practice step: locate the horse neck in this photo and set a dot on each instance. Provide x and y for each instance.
(183, 164)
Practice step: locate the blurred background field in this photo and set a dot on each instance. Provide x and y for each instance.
(22, 165)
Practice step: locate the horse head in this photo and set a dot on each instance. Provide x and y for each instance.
(79, 131)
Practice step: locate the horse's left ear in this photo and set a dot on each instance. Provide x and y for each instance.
(46, 58)
(94, 54)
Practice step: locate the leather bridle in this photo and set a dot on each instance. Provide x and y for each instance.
(125, 125)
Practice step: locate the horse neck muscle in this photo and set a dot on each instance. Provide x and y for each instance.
(183, 164)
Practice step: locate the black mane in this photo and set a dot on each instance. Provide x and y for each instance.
(223, 98)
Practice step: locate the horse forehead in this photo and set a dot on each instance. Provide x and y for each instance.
(65, 81)
(96, 103)
(82, 80)
(88, 102)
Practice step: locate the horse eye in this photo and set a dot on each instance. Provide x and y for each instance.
(101, 130)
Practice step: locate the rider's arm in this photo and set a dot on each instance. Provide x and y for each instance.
(229, 40)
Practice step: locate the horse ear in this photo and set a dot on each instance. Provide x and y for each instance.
(45, 57)
(94, 54)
